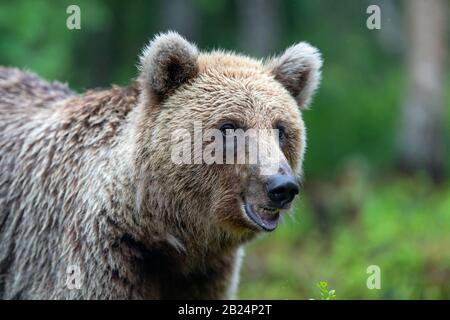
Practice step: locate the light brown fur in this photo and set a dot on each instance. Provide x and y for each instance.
(87, 180)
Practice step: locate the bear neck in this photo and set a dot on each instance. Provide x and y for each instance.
(153, 220)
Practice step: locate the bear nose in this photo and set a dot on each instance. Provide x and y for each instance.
(282, 189)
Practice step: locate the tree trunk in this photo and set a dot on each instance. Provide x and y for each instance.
(180, 16)
(421, 136)
(259, 25)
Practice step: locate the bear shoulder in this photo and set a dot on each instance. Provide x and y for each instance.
(22, 88)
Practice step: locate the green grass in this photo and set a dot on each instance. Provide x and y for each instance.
(400, 225)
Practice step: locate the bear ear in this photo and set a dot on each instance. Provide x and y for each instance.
(298, 70)
(166, 63)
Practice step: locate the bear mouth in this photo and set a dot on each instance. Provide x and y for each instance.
(265, 217)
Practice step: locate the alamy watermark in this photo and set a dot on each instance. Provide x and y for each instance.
(374, 280)
(259, 147)
(74, 277)
(73, 21)
(374, 20)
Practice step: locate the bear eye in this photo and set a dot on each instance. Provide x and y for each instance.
(228, 128)
(281, 133)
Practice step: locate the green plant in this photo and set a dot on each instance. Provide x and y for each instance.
(325, 293)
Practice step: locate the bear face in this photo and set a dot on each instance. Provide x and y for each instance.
(210, 97)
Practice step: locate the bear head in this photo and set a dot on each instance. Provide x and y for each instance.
(199, 111)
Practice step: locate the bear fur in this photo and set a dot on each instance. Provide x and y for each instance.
(87, 181)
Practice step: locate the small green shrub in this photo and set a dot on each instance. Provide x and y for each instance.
(325, 293)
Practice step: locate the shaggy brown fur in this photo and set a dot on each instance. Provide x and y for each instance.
(87, 180)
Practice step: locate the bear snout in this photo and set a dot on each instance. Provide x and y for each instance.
(281, 190)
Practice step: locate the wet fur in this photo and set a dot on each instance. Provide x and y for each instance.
(85, 180)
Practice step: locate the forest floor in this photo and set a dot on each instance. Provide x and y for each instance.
(401, 225)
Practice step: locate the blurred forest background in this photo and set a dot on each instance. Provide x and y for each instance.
(376, 190)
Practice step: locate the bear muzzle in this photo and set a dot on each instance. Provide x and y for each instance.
(280, 191)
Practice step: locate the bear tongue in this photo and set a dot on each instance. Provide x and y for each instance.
(267, 221)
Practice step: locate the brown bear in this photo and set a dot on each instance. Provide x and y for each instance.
(92, 205)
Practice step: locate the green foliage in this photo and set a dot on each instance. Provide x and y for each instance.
(325, 293)
(401, 225)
